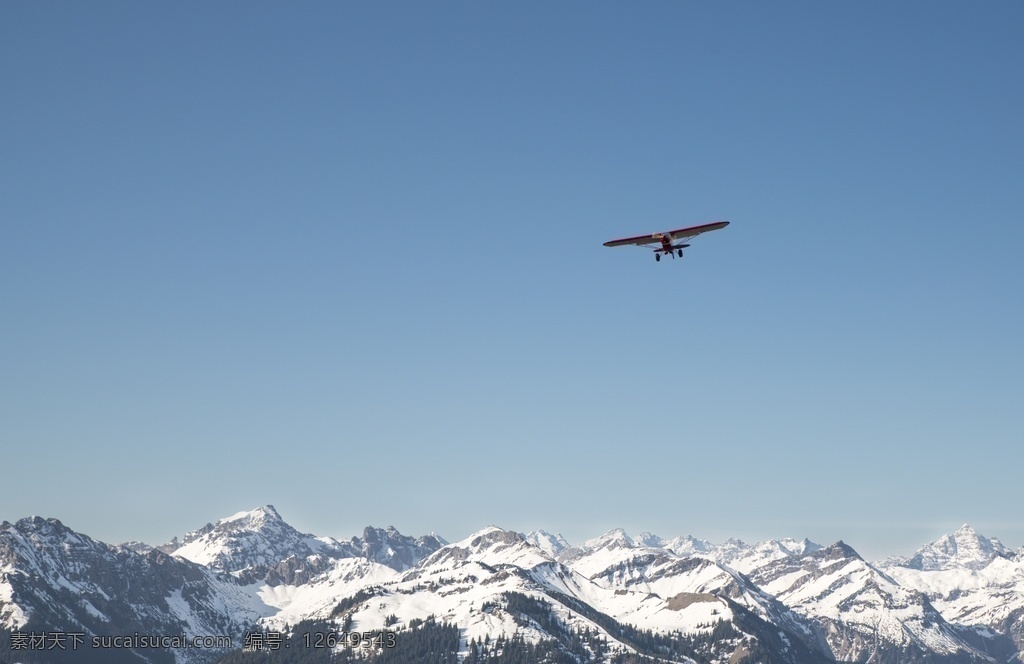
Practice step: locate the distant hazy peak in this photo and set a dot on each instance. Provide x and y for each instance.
(649, 540)
(688, 545)
(613, 539)
(965, 548)
(266, 512)
(547, 542)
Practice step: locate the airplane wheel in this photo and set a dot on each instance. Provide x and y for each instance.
(680, 253)
(657, 257)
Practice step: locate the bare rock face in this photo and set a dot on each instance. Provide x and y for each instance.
(52, 578)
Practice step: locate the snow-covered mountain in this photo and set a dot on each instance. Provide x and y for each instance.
(620, 563)
(393, 549)
(865, 615)
(963, 549)
(553, 545)
(746, 558)
(959, 599)
(259, 545)
(54, 579)
(686, 545)
(477, 583)
(973, 581)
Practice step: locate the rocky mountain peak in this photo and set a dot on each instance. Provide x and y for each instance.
(252, 539)
(393, 549)
(688, 545)
(838, 551)
(649, 540)
(553, 545)
(494, 536)
(613, 539)
(965, 548)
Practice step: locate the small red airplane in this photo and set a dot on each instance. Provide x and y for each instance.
(664, 243)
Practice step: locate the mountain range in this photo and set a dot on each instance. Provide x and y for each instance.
(498, 596)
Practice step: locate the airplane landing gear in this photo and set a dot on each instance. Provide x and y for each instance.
(668, 252)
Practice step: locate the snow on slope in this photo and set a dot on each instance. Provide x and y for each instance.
(963, 549)
(12, 614)
(550, 544)
(987, 596)
(463, 583)
(318, 597)
(859, 606)
(51, 576)
(620, 563)
(746, 558)
(259, 538)
(687, 546)
(830, 597)
(970, 579)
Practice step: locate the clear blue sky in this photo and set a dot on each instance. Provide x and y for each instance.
(345, 258)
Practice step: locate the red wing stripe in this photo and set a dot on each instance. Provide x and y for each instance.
(640, 239)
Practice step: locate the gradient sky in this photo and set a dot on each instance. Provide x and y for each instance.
(345, 259)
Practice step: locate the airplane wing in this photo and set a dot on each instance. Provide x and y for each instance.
(680, 234)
